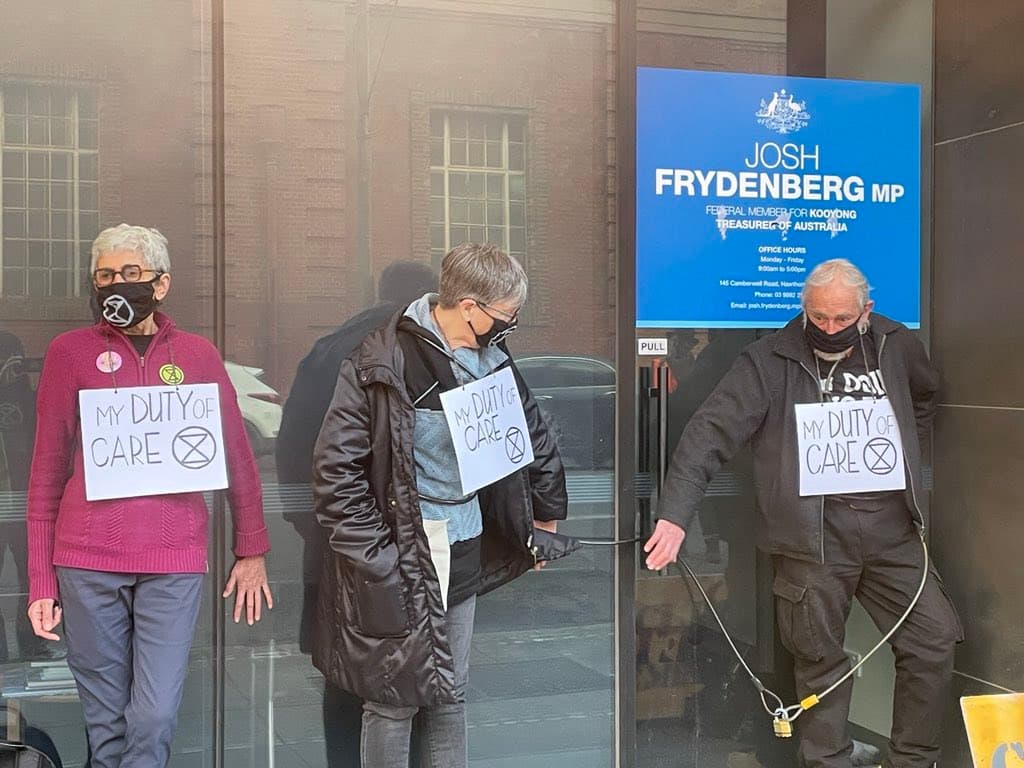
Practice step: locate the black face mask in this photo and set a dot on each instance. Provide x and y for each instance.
(832, 343)
(500, 329)
(125, 305)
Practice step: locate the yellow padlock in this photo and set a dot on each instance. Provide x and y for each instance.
(783, 728)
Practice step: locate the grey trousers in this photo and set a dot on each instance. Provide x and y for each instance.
(128, 638)
(387, 730)
(873, 553)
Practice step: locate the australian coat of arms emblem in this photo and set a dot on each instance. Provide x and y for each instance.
(783, 114)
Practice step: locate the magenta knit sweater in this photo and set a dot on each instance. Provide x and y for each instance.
(149, 534)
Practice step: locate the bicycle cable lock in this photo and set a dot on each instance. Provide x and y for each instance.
(782, 716)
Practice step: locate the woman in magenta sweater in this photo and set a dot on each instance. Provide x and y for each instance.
(125, 573)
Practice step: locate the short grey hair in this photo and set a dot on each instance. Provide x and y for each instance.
(147, 242)
(482, 272)
(837, 269)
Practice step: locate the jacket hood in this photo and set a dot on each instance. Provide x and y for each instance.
(379, 358)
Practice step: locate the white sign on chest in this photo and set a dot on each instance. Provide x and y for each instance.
(146, 441)
(488, 428)
(851, 446)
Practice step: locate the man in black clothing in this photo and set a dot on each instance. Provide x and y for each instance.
(310, 396)
(842, 540)
(400, 283)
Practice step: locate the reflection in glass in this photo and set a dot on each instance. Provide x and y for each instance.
(55, 193)
(693, 708)
(452, 94)
(446, 142)
(477, 200)
(51, 115)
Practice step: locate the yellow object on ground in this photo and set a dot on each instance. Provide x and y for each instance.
(995, 729)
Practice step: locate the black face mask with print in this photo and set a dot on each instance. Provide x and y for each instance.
(125, 305)
(499, 331)
(832, 343)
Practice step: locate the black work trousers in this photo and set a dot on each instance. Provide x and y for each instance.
(873, 553)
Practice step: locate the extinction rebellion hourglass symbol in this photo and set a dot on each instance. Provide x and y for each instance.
(515, 444)
(194, 447)
(880, 456)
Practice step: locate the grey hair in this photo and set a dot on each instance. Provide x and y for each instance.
(837, 269)
(147, 242)
(483, 273)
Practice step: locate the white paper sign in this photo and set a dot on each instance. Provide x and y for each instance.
(852, 446)
(488, 427)
(144, 441)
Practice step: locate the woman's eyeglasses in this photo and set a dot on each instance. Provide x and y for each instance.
(130, 273)
(507, 317)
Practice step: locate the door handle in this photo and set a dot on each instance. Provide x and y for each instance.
(662, 428)
(646, 444)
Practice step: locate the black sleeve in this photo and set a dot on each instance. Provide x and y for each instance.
(924, 388)
(302, 417)
(547, 475)
(717, 431)
(345, 503)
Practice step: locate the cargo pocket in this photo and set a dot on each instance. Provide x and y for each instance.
(794, 618)
(380, 607)
(956, 623)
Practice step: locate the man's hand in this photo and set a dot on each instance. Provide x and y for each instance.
(663, 546)
(249, 574)
(45, 615)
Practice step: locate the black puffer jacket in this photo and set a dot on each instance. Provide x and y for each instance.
(380, 630)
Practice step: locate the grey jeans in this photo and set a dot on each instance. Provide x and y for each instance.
(128, 639)
(387, 729)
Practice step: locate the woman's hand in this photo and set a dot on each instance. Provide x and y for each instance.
(45, 615)
(551, 526)
(249, 575)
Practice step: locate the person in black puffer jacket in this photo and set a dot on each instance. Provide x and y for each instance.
(400, 283)
(410, 550)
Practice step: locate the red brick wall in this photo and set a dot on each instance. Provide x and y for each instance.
(139, 57)
(292, 107)
(291, 127)
(709, 53)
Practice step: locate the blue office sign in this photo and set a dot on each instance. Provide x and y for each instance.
(746, 182)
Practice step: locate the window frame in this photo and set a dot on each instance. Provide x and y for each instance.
(77, 262)
(447, 168)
